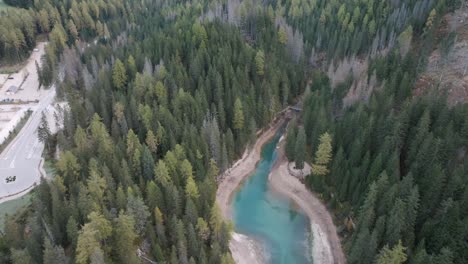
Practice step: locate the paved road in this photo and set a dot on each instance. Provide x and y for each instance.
(23, 155)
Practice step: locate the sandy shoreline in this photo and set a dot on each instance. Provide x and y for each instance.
(326, 248)
(246, 250)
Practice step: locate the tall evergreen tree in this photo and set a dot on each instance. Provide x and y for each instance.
(300, 149)
(322, 155)
(119, 75)
(396, 255)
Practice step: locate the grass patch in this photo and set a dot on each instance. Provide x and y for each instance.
(11, 207)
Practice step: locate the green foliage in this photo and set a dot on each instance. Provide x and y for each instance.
(43, 131)
(191, 189)
(20, 256)
(155, 115)
(91, 236)
(125, 238)
(165, 98)
(323, 155)
(282, 36)
(291, 141)
(260, 62)
(396, 255)
(19, 3)
(53, 254)
(300, 149)
(19, 27)
(238, 115)
(346, 28)
(119, 75)
(396, 158)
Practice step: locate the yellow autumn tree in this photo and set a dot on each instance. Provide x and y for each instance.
(322, 155)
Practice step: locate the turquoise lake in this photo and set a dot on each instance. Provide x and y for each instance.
(270, 218)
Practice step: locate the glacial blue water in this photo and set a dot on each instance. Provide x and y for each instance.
(270, 218)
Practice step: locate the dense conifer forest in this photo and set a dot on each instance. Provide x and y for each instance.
(398, 177)
(165, 95)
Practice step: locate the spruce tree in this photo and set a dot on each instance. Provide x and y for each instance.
(396, 255)
(43, 131)
(260, 62)
(238, 121)
(322, 155)
(300, 149)
(290, 142)
(119, 75)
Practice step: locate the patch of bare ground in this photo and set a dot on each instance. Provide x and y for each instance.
(447, 72)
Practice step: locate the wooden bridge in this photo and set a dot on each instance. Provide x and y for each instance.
(296, 108)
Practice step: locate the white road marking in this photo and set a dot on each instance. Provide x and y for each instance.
(12, 164)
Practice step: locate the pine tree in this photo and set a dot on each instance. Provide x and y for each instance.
(96, 183)
(291, 141)
(252, 131)
(192, 242)
(153, 195)
(68, 166)
(151, 141)
(119, 75)
(202, 229)
(53, 254)
(282, 36)
(147, 164)
(238, 121)
(120, 199)
(396, 255)
(191, 189)
(160, 228)
(87, 244)
(395, 222)
(43, 131)
(20, 256)
(161, 173)
(322, 155)
(132, 69)
(300, 149)
(39, 75)
(430, 21)
(215, 221)
(72, 231)
(139, 211)
(124, 237)
(260, 62)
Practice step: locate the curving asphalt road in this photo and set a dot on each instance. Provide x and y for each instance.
(22, 157)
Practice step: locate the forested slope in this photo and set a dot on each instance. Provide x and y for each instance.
(156, 112)
(165, 95)
(398, 176)
(86, 20)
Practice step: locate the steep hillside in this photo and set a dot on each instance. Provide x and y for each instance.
(447, 67)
